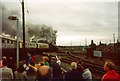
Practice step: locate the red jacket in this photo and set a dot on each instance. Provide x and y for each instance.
(111, 76)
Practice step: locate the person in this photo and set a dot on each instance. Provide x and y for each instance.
(79, 66)
(56, 70)
(73, 75)
(31, 74)
(58, 60)
(11, 64)
(1, 62)
(87, 75)
(33, 59)
(29, 58)
(5, 72)
(44, 73)
(45, 60)
(49, 61)
(111, 74)
(20, 74)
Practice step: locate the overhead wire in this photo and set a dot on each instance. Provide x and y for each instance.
(28, 12)
(20, 1)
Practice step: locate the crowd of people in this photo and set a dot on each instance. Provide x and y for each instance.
(48, 69)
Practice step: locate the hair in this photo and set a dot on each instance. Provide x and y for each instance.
(110, 65)
(85, 65)
(20, 69)
(42, 64)
(31, 72)
(45, 58)
(5, 62)
(44, 70)
(74, 65)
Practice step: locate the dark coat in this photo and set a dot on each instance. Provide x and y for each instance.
(57, 72)
(73, 75)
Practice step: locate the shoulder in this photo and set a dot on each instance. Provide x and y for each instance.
(15, 73)
(105, 76)
(24, 73)
(6, 69)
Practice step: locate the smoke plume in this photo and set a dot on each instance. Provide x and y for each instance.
(42, 31)
(38, 31)
(9, 26)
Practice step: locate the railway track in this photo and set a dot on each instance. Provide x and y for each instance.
(94, 67)
(93, 64)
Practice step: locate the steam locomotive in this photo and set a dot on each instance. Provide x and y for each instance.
(8, 42)
(8, 46)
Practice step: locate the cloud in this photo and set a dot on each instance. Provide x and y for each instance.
(71, 18)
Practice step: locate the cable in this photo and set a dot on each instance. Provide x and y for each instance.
(28, 12)
(26, 8)
(20, 1)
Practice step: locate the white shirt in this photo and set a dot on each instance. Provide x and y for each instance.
(87, 75)
(59, 62)
(6, 73)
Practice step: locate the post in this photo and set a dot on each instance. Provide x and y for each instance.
(14, 18)
(114, 42)
(23, 17)
(71, 45)
(17, 60)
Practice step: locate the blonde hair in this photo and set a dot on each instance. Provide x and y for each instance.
(110, 65)
(74, 65)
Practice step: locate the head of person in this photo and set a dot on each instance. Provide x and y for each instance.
(28, 54)
(43, 70)
(4, 57)
(74, 65)
(5, 62)
(21, 68)
(109, 66)
(31, 71)
(79, 62)
(45, 59)
(84, 65)
(53, 60)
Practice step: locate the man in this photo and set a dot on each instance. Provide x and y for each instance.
(111, 74)
(29, 58)
(56, 71)
(74, 74)
(44, 73)
(5, 72)
(87, 75)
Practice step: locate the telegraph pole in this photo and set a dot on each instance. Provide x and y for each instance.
(114, 42)
(85, 42)
(23, 17)
(71, 45)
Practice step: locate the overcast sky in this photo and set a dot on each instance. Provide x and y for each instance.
(74, 20)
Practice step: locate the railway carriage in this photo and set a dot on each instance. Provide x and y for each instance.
(8, 47)
(42, 45)
(8, 42)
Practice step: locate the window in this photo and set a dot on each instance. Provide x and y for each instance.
(3, 41)
(7, 41)
(11, 42)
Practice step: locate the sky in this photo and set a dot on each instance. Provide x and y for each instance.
(75, 20)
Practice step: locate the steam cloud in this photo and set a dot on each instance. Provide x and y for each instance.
(38, 31)
(42, 31)
(9, 26)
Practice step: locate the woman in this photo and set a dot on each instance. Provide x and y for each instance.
(20, 74)
(111, 74)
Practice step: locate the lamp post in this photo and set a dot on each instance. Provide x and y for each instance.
(14, 18)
